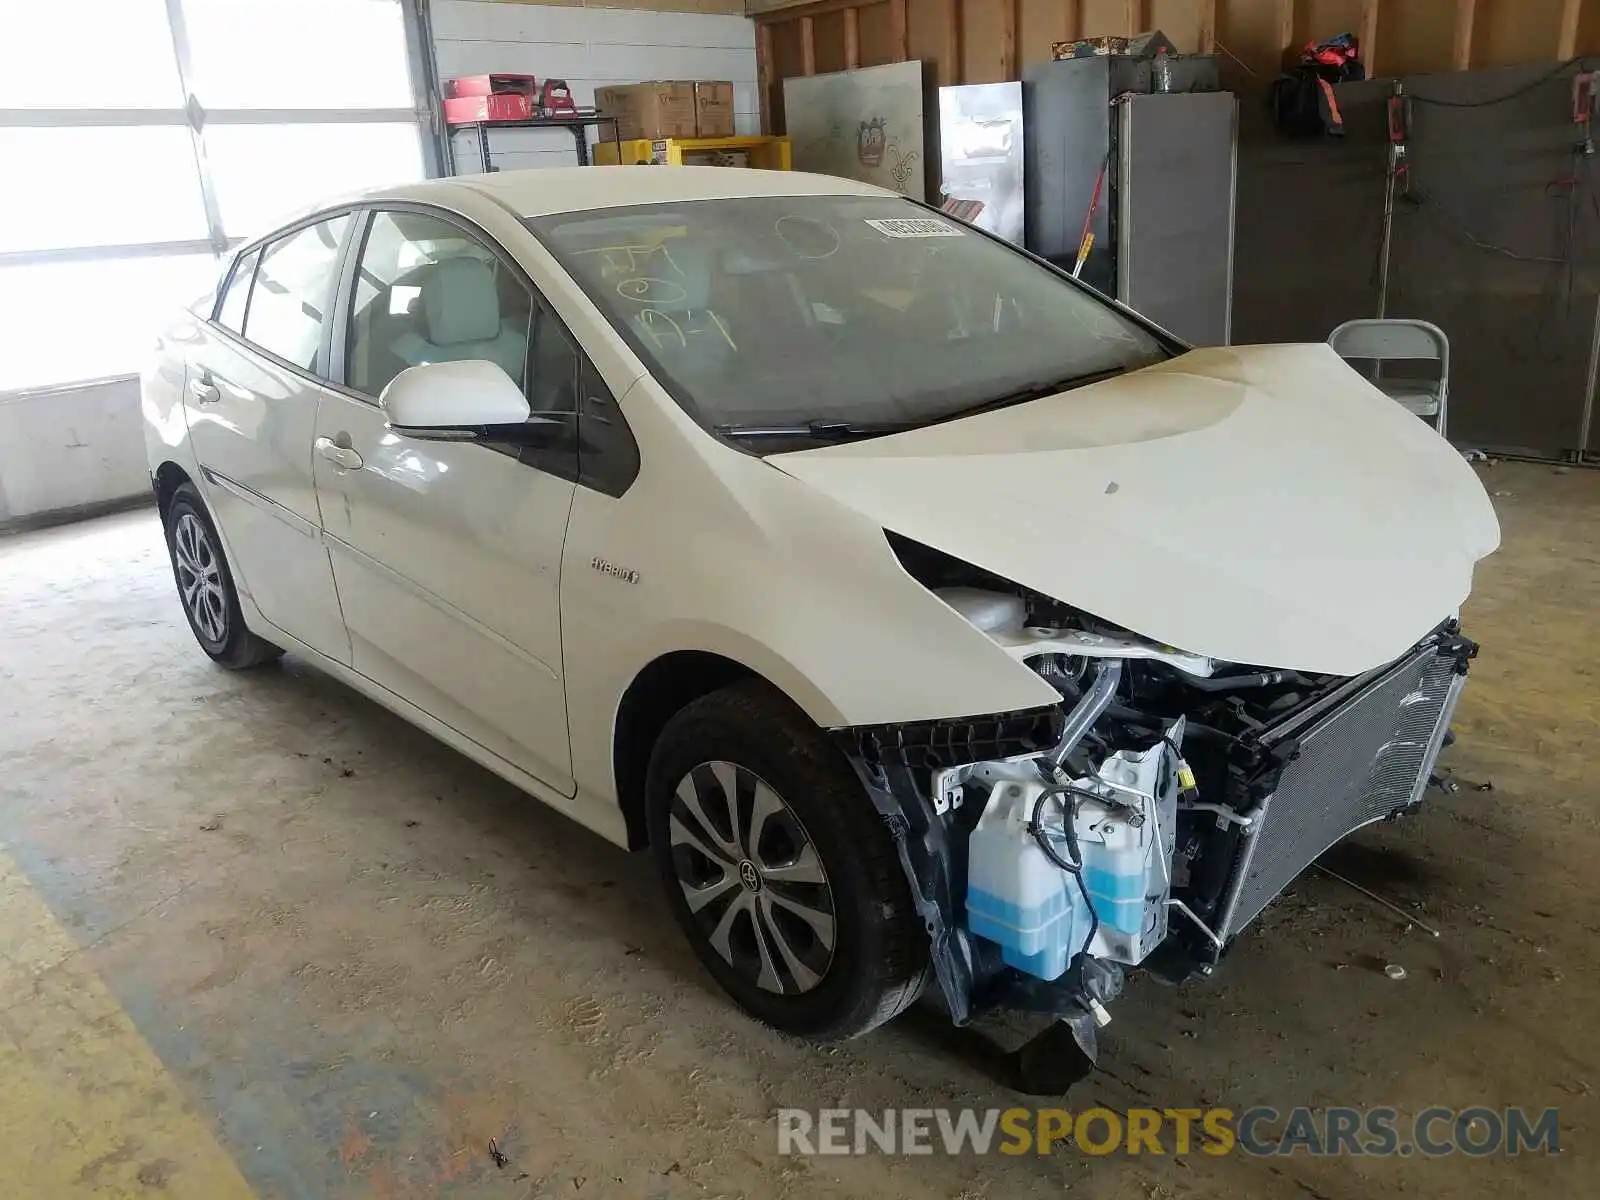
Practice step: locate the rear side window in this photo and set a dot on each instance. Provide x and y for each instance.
(237, 298)
(293, 292)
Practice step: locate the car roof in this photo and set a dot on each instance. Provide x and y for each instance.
(542, 191)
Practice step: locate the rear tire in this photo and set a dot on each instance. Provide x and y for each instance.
(205, 585)
(792, 895)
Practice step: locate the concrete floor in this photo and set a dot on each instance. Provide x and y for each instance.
(258, 937)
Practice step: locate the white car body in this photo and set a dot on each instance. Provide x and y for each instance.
(1262, 506)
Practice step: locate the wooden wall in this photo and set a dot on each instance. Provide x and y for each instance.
(981, 41)
(719, 7)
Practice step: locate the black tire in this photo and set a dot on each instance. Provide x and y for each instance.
(221, 632)
(879, 957)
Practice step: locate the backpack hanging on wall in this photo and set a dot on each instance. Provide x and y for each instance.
(1302, 100)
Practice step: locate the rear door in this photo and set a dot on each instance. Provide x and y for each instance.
(447, 554)
(251, 401)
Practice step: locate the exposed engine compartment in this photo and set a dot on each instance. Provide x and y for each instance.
(1163, 763)
(1150, 817)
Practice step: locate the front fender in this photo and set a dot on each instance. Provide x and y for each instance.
(718, 551)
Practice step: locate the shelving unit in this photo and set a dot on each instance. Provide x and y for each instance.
(577, 126)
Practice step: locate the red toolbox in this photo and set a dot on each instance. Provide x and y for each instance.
(502, 106)
(493, 85)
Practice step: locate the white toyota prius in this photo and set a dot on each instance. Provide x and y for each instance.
(925, 614)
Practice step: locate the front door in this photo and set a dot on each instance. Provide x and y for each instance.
(251, 403)
(447, 555)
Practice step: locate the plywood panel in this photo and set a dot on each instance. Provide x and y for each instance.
(1105, 18)
(828, 40)
(787, 57)
(1040, 25)
(1178, 19)
(1589, 29)
(982, 50)
(1251, 30)
(1323, 19)
(877, 34)
(1418, 35)
(1516, 31)
(926, 37)
(1414, 35)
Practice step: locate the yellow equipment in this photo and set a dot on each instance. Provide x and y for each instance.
(767, 153)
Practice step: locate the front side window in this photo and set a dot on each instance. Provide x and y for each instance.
(788, 310)
(237, 298)
(293, 292)
(427, 291)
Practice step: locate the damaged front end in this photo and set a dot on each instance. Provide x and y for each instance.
(1147, 819)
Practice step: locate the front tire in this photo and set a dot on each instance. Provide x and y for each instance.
(778, 868)
(206, 588)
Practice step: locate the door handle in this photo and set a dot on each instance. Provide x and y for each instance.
(343, 457)
(204, 391)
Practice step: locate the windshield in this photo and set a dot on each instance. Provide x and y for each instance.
(794, 310)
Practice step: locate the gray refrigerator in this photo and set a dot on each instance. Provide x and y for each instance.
(1150, 174)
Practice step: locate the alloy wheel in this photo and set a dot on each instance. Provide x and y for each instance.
(200, 577)
(753, 881)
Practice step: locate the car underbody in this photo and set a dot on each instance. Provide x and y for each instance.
(1187, 792)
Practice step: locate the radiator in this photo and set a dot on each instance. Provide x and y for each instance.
(1359, 762)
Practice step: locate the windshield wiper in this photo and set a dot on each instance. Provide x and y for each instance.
(840, 431)
(822, 431)
(1034, 391)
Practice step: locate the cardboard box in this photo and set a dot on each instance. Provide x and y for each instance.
(713, 108)
(492, 85)
(649, 110)
(506, 106)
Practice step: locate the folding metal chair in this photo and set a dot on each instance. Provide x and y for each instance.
(1387, 339)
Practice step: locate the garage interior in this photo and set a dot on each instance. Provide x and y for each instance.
(260, 938)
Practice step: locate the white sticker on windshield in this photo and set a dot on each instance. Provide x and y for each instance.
(915, 227)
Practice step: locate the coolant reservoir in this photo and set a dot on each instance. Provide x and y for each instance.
(1125, 866)
(1124, 818)
(1127, 851)
(1016, 896)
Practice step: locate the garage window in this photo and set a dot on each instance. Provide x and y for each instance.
(157, 134)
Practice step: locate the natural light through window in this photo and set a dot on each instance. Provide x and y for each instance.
(138, 196)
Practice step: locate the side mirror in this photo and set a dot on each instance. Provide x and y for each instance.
(452, 400)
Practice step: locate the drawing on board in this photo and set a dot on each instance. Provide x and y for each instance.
(865, 125)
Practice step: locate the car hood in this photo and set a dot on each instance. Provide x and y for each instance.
(1262, 505)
